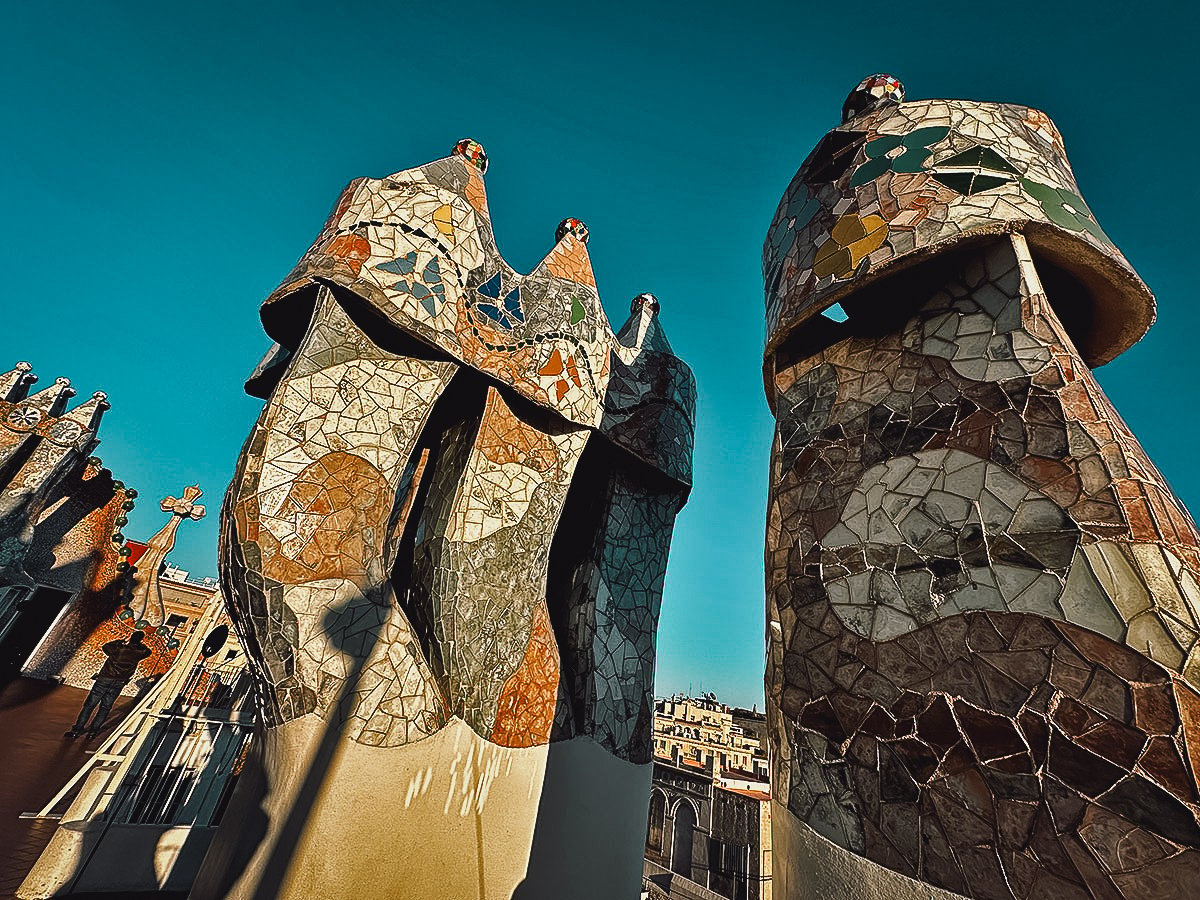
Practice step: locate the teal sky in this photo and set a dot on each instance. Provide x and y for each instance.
(164, 165)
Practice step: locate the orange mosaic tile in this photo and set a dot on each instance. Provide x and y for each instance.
(525, 711)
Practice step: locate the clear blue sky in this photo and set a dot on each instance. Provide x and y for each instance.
(164, 165)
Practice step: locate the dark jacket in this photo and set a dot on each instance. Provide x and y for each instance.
(122, 660)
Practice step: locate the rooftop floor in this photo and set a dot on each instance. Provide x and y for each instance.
(35, 761)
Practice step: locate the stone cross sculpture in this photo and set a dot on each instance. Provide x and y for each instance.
(444, 549)
(147, 602)
(982, 597)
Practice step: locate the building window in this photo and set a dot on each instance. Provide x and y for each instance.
(683, 830)
(175, 620)
(658, 818)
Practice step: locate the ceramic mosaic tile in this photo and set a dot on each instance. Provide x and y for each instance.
(899, 181)
(458, 500)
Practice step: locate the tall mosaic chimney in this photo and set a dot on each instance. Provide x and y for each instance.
(982, 596)
(444, 547)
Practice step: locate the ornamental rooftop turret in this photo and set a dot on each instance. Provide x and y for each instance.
(901, 180)
(447, 537)
(417, 246)
(975, 575)
(41, 442)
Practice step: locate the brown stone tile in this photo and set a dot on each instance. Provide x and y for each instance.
(1154, 708)
(992, 736)
(1175, 878)
(937, 727)
(1162, 762)
(1115, 742)
(1080, 769)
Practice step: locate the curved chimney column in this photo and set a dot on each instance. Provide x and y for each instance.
(983, 599)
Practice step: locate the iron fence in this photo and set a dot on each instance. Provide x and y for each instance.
(186, 769)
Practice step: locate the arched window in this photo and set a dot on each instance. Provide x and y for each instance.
(658, 818)
(681, 844)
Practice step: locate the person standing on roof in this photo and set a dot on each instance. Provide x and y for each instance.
(118, 669)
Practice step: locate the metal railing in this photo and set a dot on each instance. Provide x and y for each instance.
(184, 772)
(665, 883)
(220, 690)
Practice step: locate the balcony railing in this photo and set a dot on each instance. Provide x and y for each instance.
(186, 769)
